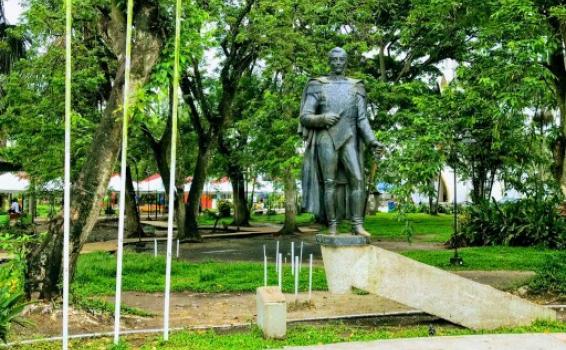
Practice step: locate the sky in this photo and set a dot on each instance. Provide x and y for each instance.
(13, 9)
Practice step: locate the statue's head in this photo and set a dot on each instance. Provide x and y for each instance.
(337, 58)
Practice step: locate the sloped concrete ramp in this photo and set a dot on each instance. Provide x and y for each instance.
(471, 342)
(423, 287)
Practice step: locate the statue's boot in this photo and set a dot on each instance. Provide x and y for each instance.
(330, 206)
(357, 207)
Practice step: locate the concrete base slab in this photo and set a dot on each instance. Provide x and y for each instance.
(472, 342)
(423, 287)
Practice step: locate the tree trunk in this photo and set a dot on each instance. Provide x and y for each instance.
(290, 188)
(559, 149)
(161, 151)
(241, 209)
(134, 227)
(195, 193)
(45, 260)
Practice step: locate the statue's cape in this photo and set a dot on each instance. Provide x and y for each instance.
(313, 191)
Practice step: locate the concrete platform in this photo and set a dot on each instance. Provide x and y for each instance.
(423, 287)
(471, 342)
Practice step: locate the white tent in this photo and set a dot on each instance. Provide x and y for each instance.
(151, 184)
(114, 184)
(13, 182)
(222, 185)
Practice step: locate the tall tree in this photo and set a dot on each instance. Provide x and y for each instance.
(100, 30)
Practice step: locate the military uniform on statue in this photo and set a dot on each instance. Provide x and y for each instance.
(334, 125)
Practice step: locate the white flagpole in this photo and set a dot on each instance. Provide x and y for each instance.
(124, 151)
(172, 171)
(67, 181)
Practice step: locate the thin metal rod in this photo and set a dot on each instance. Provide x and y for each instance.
(277, 257)
(67, 180)
(155, 247)
(280, 272)
(124, 153)
(173, 158)
(301, 255)
(296, 278)
(265, 270)
(310, 277)
(293, 258)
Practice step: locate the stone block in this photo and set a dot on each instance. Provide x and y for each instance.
(341, 240)
(271, 312)
(426, 288)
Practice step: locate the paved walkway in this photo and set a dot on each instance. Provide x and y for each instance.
(471, 342)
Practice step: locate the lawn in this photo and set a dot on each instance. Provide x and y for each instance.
(277, 219)
(387, 226)
(96, 275)
(297, 335)
(144, 273)
(427, 228)
(486, 258)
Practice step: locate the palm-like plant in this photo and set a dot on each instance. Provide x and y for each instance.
(11, 306)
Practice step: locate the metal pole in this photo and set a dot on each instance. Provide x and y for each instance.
(301, 255)
(280, 275)
(277, 257)
(296, 278)
(293, 258)
(155, 247)
(310, 277)
(265, 270)
(67, 181)
(172, 170)
(122, 206)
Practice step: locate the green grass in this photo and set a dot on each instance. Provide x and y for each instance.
(43, 210)
(427, 228)
(486, 258)
(298, 335)
(96, 275)
(273, 219)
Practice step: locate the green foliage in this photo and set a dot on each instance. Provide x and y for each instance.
(551, 276)
(527, 222)
(11, 306)
(12, 282)
(224, 208)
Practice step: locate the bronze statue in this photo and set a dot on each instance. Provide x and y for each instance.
(334, 125)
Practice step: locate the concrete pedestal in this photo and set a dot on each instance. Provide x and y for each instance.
(271, 312)
(424, 287)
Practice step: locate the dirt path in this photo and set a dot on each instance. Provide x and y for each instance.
(190, 309)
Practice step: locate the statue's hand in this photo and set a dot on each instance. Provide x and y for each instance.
(330, 119)
(377, 148)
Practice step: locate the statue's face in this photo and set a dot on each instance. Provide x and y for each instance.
(337, 62)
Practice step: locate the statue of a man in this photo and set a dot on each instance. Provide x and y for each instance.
(335, 127)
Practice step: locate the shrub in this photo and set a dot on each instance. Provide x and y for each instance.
(527, 222)
(551, 277)
(12, 281)
(11, 306)
(224, 208)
